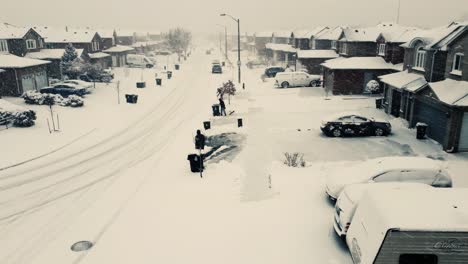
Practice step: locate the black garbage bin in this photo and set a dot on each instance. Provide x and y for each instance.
(169, 74)
(140, 84)
(421, 129)
(239, 122)
(378, 103)
(216, 109)
(207, 125)
(177, 67)
(131, 98)
(158, 81)
(195, 162)
(223, 63)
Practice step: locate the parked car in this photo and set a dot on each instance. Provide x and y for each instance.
(271, 72)
(216, 68)
(79, 84)
(139, 61)
(64, 90)
(354, 125)
(293, 79)
(424, 226)
(104, 76)
(388, 169)
(351, 195)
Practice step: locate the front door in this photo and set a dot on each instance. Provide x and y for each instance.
(396, 101)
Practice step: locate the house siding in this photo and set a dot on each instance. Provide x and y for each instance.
(346, 82)
(359, 49)
(459, 46)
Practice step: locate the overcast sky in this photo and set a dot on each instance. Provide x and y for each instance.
(255, 15)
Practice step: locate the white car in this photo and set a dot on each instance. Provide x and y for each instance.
(349, 198)
(389, 169)
(294, 79)
(139, 61)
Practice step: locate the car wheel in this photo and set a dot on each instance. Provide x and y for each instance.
(336, 132)
(285, 84)
(379, 132)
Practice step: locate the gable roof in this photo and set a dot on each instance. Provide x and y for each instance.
(307, 34)
(360, 34)
(331, 34)
(449, 39)
(451, 92)
(405, 80)
(395, 33)
(8, 31)
(65, 35)
(433, 36)
(13, 61)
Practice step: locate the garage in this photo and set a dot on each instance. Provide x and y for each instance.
(463, 144)
(435, 117)
(34, 81)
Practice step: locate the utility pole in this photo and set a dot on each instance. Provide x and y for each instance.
(398, 12)
(238, 44)
(225, 43)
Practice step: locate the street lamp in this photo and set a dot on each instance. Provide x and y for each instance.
(225, 40)
(238, 43)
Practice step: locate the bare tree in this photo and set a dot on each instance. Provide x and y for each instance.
(178, 40)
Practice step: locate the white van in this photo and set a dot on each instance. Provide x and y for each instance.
(424, 226)
(139, 61)
(349, 198)
(293, 79)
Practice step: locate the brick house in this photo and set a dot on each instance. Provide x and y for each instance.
(19, 40)
(328, 39)
(301, 39)
(18, 74)
(358, 42)
(351, 75)
(437, 94)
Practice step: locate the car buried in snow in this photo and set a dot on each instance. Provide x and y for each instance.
(388, 169)
(349, 125)
(64, 90)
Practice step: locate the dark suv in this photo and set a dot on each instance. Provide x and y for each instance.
(216, 68)
(272, 71)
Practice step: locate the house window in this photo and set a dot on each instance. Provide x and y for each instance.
(333, 44)
(30, 44)
(420, 59)
(457, 64)
(382, 49)
(3, 45)
(344, 48)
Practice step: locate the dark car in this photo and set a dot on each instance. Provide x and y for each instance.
(354, 125)
(64, 90)
(101, 77)
(272, 71)
(216, 68)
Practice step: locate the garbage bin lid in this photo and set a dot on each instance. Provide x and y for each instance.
(421, 124)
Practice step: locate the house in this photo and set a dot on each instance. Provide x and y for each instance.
(281, 53)
(18, 74)
(351, 75)
(358, 42)
(107, 38)
(119, 55)
(124, 37)
(281, 37)
(19, 40)
(54, 56)
(301, 39)
(436, 78)
(311, 60)
(261, 39)
(87, 39)
(328, 39)
(390, 39)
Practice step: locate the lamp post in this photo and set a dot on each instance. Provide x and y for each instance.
(238, 43)
(225, 40)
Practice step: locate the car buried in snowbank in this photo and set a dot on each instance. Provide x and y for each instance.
(348, 125)
(389, 169)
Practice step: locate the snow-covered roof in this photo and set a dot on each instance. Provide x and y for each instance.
(50, 54)
(8, 31)
(443, 44)
(316, 54)
(404, 80)
(331, 34)
(282, 34)
(12, 61)
(98, 55)
(361, 34)
(105, 33)
(119, 48)
(451, 92)
(66, 35)
(435, 209)
(395, 33)
(280, 47)
(307, 34)
(264, 34)
(124, 33)
(369, 63)
(433, 36)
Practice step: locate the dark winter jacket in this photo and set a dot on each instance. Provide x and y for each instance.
(221, 103)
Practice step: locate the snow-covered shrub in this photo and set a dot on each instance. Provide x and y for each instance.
(72, 100)
(372, 87)
(5, 117)
(294, 159)
(24, 119)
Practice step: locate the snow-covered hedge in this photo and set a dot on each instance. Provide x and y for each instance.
(373, 87)
(18, 119)
(33, 97)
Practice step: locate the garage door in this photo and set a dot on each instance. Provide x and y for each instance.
(435, 118)
(41, 80)
(28, 82)
(463, 145)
